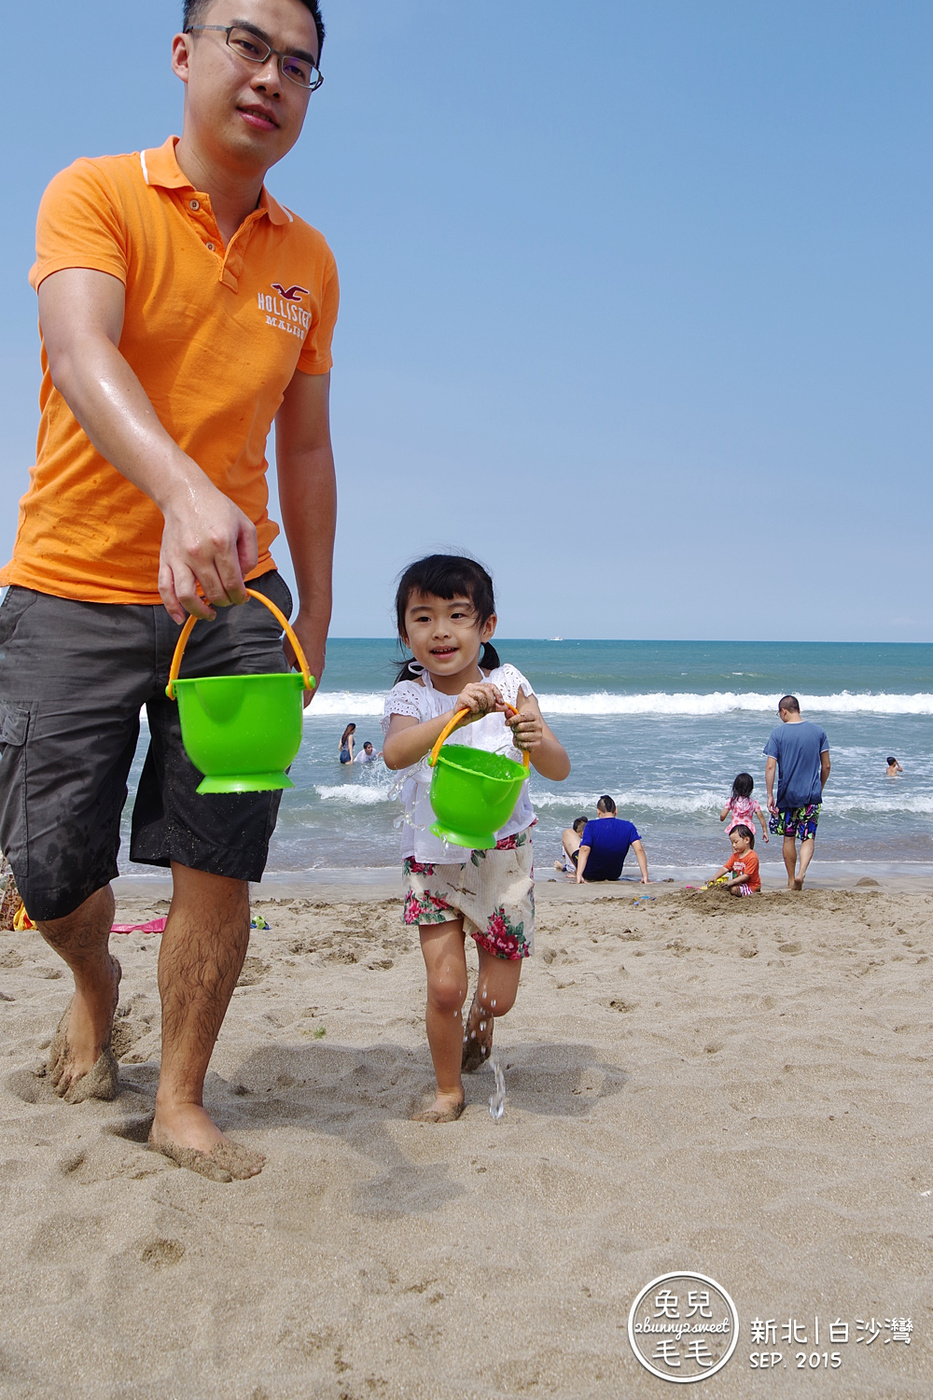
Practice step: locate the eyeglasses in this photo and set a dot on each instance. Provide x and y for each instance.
(298, 69)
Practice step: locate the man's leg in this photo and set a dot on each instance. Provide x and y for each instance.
(807, 848)
(80, 1063)
(790, 859)
(215, 845)
(203, 947)
(72, 678)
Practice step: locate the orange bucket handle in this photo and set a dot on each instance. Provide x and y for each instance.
(279, 617)
(452, 724)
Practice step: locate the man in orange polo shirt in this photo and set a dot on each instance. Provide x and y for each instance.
(182, 311)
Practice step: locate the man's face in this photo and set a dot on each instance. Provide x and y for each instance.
(246, 115)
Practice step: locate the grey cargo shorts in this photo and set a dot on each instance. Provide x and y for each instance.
(73, 678)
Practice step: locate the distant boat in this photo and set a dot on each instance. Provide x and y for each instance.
(555, 639)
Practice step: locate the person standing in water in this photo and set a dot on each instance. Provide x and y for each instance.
(798, 751)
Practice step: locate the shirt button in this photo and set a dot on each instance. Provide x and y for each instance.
(194, 204)
(210, 247)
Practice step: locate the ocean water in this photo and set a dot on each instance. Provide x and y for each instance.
(661, 726)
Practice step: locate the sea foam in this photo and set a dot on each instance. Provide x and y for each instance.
(350, 703)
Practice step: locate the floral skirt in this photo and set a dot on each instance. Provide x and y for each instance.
(493, 892)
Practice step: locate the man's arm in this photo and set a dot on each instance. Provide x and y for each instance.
(642, 859)
(583, 855)
(824, 768)
(206, 539)
(308, 499)
(770, 770)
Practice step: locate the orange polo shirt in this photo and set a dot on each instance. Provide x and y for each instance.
(214, 334)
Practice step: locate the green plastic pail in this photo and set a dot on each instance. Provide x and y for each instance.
(473, 794)
(241, 732)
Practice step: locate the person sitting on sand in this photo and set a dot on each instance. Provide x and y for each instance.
(162, 376)
(893, 767)
(571, 843)
(799, 752)
(742, 865)
(368, 754)
(604, 845)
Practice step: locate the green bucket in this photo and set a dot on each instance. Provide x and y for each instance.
(473, 792)
(241, 732)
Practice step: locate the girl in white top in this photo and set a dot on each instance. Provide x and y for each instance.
(446, 617)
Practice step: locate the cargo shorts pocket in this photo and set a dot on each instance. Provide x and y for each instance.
(14, 729)
(14, 724)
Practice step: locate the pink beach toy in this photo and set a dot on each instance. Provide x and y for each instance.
(153, 926)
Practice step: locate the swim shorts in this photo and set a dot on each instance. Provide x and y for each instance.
(745, 889)
(73, 678)
(493, 892)
(799, 821)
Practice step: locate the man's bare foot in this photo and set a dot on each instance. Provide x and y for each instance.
(189, 1138)
(798, 883)
(446, 1108)
(477, 1039)
(81, 1063)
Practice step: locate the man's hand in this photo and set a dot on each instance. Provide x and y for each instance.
(208, 544)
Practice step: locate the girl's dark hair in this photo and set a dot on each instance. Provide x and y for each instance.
(447, 576)
(741, 830)
(350, 729)
(742, 787)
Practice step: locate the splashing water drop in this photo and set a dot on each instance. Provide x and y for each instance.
(497, 1099)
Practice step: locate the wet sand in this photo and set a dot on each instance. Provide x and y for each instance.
(738, 1088)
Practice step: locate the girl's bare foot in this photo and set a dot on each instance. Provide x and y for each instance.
(446, 1108)
(477, 1039)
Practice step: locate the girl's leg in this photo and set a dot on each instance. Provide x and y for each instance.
(445, 963)
(496, 989)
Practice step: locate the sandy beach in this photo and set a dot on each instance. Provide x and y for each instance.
(734, 1088)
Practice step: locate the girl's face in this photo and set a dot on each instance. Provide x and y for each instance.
(445, 636)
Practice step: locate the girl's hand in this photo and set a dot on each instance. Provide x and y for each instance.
(480, 698)
(527, 729)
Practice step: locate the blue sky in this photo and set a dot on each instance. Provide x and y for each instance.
(636, 297)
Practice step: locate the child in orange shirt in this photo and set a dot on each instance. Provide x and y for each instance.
(742, 865)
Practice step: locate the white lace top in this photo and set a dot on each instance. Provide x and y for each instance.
(423, 702)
